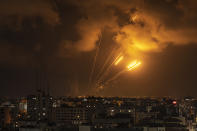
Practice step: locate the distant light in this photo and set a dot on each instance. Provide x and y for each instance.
(174, 102)
(85, 99)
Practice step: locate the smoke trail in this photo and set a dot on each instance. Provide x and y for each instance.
(94, 62)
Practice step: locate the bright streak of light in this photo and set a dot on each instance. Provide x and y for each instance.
(133, 65)
(118, 61)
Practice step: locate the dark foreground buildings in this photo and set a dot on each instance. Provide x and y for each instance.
(41, 112)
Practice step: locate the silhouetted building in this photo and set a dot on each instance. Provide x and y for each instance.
(38, 106)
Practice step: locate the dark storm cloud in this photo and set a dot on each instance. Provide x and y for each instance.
(62, 35)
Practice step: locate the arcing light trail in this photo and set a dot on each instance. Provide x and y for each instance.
(118, 60)
(134, 64)
(114, 61)
(95, 60)
(107, 70)
(105, 65)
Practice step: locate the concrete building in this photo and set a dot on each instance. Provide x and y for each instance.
(38, 106)
(7, 115)
(69, 115)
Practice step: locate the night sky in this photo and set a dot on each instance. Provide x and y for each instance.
(53, 43)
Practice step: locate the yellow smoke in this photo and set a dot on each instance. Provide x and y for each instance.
(139, 36)
(147, 29)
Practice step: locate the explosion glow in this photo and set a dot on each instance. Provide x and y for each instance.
(133, 65)
(119, 60)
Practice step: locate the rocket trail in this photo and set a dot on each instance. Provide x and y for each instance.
(94, 62)
(108, 69)
(119, 60)
(131, 66)
(105, 63)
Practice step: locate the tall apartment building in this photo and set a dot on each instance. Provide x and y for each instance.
(69, 115)
(38, 106)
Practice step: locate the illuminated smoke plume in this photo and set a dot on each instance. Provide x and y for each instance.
(151, 24)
